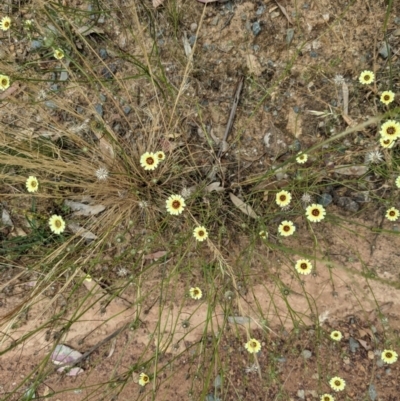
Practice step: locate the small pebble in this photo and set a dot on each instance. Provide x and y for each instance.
(372, 392)
(260, 10)
(103, 54)
(63, 76)
(301, 394)
(102, 97)
(214, 21)
(99, 109)
(36, 44)
(353, 344)
(192, 39)
(193, 27)
(127, 109)
(50, 104)
(218, 382)
(325, 199)
(256, 28)
(306, 354)
(289, 35)
(384, 50)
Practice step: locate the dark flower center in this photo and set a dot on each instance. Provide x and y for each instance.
(388, 355)
(315, 212)
(303, 266)
(150, 160)
(367, 77)
(33, 183)
(200, 233)
(286, 228)
(57, 223)
(282, 198)
(4, 82)
(337, 383)
(392, 213)
(390, 131)
(176, 204)
(386, 97)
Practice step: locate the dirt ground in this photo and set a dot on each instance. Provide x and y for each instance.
(355, 285)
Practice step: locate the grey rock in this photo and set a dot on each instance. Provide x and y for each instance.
(256, 48)
(192, 39)
(108, 73)
(80, 110)
(127, 109)
(50, 104)
(54, 87)
(63, 76)
(372, 392)
(388, 371)
(256, 28)
(218, 381)
(215, 20)
(353, 344)
(239, 319)
(36, 44)
(397, 20)
(348, 204)
(193, 27)
(301, 394)
(313, 54)
(260, 10)
(296, 109)
(103, 54)
(384, 50)
(325, 199)
(99, 109)
(281, 359)
(306, 354)
(229, 6)
(102, 97)
(289, 35)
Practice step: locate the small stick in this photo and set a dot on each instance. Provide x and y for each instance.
(235, 103)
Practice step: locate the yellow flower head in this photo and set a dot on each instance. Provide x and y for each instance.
(149, 161)
(175, 204)
(283, 198)
(303, 266)
(397, 182)
(143, 379)
(253, 346)
(315, 213)
(57, 224)
(286, 228)
(387, 97)
(392, 214)
(200, 233)
(367, 77)
(337, 383)
(327, 397)
(389, 356)
(301, 158)
(196, 293)
(32, 184)
(58, 54)
(4, 82)
(390, 129)
(5, 23)
(387, 143)
(263, 234)
(160, 155)
(336, 335)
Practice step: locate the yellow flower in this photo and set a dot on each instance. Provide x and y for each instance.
(389, 356)
(327, 397)
(283, 198)
(143, 379)
(200, 233)
(253, 346)
(195, 293)
(160, 155)
(175, 204)
(398, 182)
(336, 335)
(387, 97)
(387, 143)
(149, 161)
(337, 383)
(301, 158)
(4, 82)
(88, 278)
(58, 54)
(286, 228)
(366, 77)
(5, 23)
(303, 266)
(392, 214)
(263, 234)
(390, 129)
(32, 184)
(57, 224)
(315, 213)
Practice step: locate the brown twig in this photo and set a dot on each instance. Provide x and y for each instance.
(235, 103)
